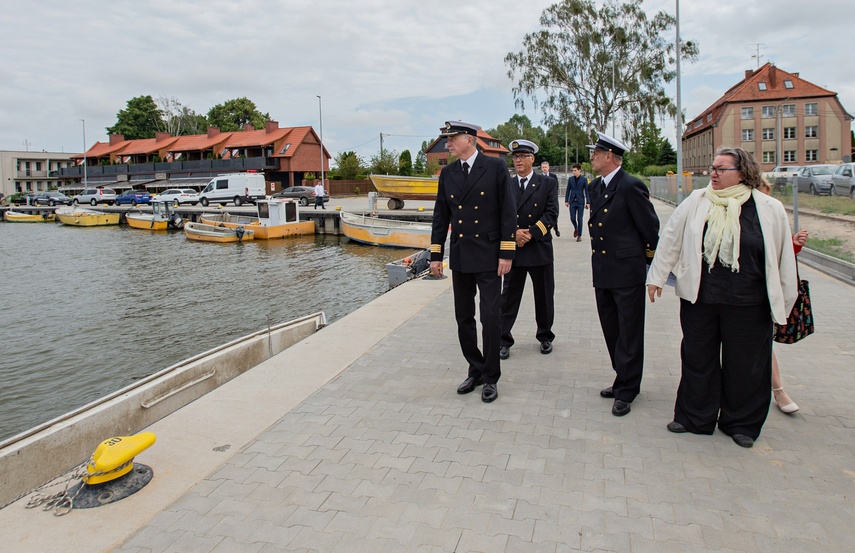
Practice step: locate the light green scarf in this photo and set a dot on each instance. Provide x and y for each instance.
(722, 238)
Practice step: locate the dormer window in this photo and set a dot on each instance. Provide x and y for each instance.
(788, 83)
(285, 148)
(761, 86)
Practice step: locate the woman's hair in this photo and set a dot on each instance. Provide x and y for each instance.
(745, 162)
(764, 186)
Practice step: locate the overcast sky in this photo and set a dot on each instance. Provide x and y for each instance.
(399, 68)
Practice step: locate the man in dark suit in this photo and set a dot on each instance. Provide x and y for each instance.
(476, 199)
(544, 167)
(537, 211)
(577, 199)
(624, 232)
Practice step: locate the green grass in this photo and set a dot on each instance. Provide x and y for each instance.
(839, 205)
(831, 247)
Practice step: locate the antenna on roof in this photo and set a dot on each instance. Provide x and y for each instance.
(757, 56)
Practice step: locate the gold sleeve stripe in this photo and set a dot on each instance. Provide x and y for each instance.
(542, 227)
(436, 248)
(508, 245)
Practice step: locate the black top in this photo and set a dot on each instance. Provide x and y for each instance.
(748, 286)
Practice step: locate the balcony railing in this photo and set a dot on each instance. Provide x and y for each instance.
(238, 164)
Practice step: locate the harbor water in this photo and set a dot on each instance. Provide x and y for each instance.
(86, 311)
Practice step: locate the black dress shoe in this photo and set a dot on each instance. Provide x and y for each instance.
(575, 233)
(545, 347)
(557, 233)
(620, 408)
(743, 440)
(489, 393)
(468, 385)
(504, 352)
(607, 393)
(676, 427)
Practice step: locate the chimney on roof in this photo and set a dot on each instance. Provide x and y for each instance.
(270, 126)
(116, 138)
(213, 131)
(773, 77)
(748, 73)
(248, 127)
(796, 74)
(158, 136)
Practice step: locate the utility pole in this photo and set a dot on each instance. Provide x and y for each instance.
(565, 148)
(26, 144)
(381, 146)
(679, 129)
(321, 120)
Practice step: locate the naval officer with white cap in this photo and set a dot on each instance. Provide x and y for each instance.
(624, 231)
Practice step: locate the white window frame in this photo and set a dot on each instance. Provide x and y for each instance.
(748, 112)
(789, 110)
(812, 109)
(811, 155)
(789, 133)
(769, 133)
(767, 112)
(812, 131)
(768, 157)
(747, 135)
(790, 156)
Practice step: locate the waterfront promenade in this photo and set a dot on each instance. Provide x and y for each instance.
(355, 440)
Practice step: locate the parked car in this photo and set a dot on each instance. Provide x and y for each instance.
(843, 180)
(782, 174)
(23, 199)
(95, 196)
(133, 197)
(179, 196)
(51, 198)
(304, 194)
(815, 179)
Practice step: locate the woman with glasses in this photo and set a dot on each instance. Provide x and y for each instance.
(730, 248)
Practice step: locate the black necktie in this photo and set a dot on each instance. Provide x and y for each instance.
(465, 171)
(522, 184)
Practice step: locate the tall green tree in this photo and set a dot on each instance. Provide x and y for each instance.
(349, 165)
(232, 115)
(591, 63)
(178, 119)
(141, 119)
(405, 163)
(518, 126)
(667, 155)
(384, 163)
(421, 160)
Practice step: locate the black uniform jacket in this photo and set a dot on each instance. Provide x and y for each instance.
(537, 211)
(481, 212)
(624, 231)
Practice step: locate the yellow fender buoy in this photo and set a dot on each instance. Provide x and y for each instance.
(114, 457)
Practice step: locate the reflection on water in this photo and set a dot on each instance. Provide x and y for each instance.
(86, 311)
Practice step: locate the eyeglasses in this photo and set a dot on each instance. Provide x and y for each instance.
(720, 170)
(520, 156)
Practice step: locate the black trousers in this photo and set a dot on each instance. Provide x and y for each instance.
(726, 368)
(319, 201)
(543, 283)
(576, 213)
(484, 366)
(621, 312)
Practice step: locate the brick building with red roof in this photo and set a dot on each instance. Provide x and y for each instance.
(485, 144)
(777, 116)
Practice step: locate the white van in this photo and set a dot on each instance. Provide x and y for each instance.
(235, 187)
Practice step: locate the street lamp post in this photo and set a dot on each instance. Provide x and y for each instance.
(321, 119)
(84, 152)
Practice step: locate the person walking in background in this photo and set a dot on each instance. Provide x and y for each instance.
(537, 211)
(730, 248)
(474, 196)
(544, 168)
(320, 193)
(782, 398)
(624, 231)
(577, 199)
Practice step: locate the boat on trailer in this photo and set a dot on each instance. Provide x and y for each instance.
(398, 188)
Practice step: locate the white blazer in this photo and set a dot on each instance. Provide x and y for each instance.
(680, 251)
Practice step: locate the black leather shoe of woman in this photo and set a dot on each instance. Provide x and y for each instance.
(743, 440)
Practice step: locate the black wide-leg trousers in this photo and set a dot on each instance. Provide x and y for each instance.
(543, 284)
(483, 366)
(726, 368)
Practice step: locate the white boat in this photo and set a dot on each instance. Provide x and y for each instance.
(210, 233)
(385, 232)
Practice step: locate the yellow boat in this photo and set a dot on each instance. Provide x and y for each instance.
(18, 217)
(276, 219)
(398, 189)
(211, 233)
(385, 232)
(82, 217)
(161, 217)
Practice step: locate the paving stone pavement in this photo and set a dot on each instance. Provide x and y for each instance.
(388, 457)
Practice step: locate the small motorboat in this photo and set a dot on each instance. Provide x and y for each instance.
(82, 217)
(162, 216)
(408, 268)
(18, 217)
(385, 232)
(277, 218)
(399, 188)
(211, 233)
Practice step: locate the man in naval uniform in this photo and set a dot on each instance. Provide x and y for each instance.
(624, 232)
(537, 211)
(476, 199)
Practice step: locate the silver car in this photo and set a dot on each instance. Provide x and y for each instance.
(843, 180)
(95, 196)
(815, 179)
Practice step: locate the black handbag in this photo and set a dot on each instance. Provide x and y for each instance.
(800, 322)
